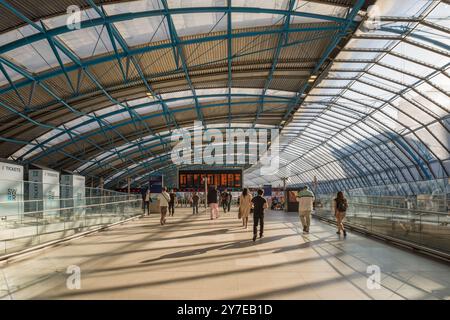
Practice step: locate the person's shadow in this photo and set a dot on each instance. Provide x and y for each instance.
(229, 246)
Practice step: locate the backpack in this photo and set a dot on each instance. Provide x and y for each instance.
(341, 205)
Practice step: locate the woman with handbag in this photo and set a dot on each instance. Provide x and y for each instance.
(164, 199)
(340, 206)
(245, 205)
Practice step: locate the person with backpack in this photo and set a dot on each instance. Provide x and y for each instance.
(164, 199)
(305, 200)
(224, 200)
(194, 200)
(340, 207)
(173, 198)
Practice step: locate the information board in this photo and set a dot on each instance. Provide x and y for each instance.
(11, 189)
(156, 184)
(44, 190)
(267, 190)
(73, 193)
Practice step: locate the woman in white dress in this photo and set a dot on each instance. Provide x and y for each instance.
(245, 205)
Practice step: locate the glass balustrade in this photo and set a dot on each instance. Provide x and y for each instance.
(28, 219)
(422, 220)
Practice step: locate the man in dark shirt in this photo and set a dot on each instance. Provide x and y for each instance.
(143, 194)
(230, 197)
(224, 200)
(259, 204)
(172, 203)
(212, 202)
(195, 199)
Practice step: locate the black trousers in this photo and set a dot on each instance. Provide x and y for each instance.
(194, 208)
(146, 204)
(229, 205)
(224, 206)
(258, 219)
(171, 208)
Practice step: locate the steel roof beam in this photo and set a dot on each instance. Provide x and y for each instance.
(348, 25)
(282, 38)
(143, 118)
(149, 48)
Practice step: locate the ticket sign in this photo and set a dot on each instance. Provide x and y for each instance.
(11, 189)
(44, 190)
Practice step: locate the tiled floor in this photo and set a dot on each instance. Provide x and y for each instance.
(196, 258)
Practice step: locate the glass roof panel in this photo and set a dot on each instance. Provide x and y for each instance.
(196, 3)
(87, 42)
(423, 55)
(436, 96)
(441, 81)
(17, 34)
(317, 8)
(35, 57)
(13, 75)
(132, 6)
(404, 8)
(198, 23)
(143, 30)
(249, 20)
(406, 65)
(61, 20)
(434, 145)
(396, 75)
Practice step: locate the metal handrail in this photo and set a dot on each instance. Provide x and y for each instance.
(68, 199)
(418, 212)
(80, 207)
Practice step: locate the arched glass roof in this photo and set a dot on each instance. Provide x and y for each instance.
(355, 106)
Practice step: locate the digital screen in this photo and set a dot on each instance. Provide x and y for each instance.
(223, 179)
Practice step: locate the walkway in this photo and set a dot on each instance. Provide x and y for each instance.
(195, 258)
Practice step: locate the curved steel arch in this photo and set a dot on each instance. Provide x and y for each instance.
(157, 114)
(116, 125)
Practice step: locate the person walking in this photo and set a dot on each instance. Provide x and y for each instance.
(305, 200)
(143, 195)
(173, 197)
(340, 206)
(164, 199)
(195, 199)
(230, 197)
(259, 204)
(224, 200)
(245, 205)
(147, 200)
(213, 202)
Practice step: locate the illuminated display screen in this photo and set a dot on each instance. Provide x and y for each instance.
(194, 179)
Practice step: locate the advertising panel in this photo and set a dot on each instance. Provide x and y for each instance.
(267, 190)
(73, 193)
(44, 191)
(11, 190)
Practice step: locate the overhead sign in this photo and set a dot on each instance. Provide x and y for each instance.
(156, 184)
